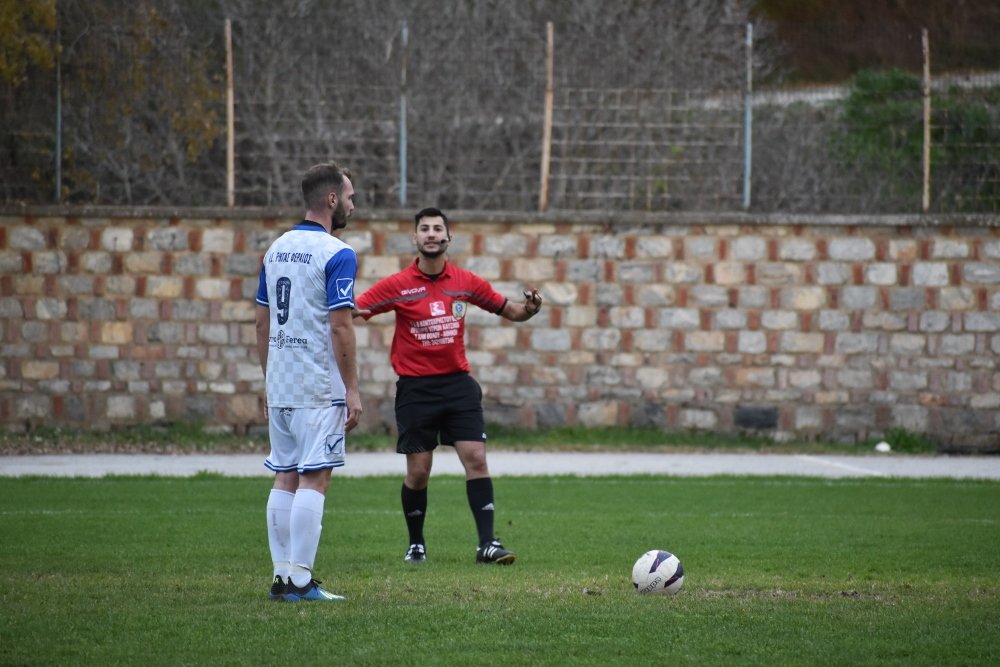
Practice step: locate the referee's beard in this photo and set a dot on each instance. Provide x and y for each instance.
(434, 254)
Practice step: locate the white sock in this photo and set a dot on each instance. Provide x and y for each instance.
(279, 511)
(306, 524)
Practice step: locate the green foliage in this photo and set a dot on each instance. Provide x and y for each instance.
(179, 437)
(905, 442)
(778, 571)
(27, 29)
(883, 128)
(883, 139)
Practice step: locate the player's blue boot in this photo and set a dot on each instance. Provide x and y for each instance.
(311, 592)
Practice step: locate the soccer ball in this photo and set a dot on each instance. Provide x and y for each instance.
(658, 572)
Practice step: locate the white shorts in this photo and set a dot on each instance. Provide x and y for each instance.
(304, 439)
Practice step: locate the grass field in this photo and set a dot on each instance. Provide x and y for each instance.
(780, 571)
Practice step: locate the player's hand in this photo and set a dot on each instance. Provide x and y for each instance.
(354, 410)
(361, 312)
(532, 301)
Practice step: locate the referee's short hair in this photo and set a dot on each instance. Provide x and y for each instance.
(430, 212)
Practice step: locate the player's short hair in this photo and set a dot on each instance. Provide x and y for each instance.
(320, 180)
(430, 212)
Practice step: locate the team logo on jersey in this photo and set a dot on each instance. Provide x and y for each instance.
(345, 287)
(282, 340)
(437, 308)
(458, 309)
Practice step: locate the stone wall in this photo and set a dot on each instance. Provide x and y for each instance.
(839, 328)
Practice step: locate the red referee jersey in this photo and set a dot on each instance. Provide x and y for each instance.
(430, 316)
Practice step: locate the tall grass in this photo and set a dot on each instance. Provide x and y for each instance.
(779, 571)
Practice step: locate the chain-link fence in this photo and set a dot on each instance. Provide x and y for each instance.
(647, 110)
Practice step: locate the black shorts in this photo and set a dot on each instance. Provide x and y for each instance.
(441, 409)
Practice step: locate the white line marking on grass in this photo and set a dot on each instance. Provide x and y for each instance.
(840, 466)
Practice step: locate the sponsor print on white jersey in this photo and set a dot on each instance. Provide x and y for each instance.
(306, 274)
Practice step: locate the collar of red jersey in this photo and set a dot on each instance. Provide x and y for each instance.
(415, 270)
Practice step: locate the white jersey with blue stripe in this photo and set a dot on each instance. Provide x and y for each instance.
(306, 274)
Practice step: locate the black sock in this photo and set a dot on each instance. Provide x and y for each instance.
(480, 493)
(414, 511)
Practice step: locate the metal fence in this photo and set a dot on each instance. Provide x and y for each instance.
(454, 114)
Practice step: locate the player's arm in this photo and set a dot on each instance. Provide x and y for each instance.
(263, 316)
(517, 311)
(345, 354)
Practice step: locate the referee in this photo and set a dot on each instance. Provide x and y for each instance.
(437, 400)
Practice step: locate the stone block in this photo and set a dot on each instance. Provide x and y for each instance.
(984, 322)
(600, 339)
(934, 321)
(654, 246)
(803, 298)
(598, 413)
(557, 246)
(779, 319)
(779, 273)
(705, 341)
(610, 247)
(709, 295)
(908, 344)
(751, 342)
(143, 263)
(117, 239)
(881, 273)
(748, 249)
(551, 340)
(698, 419)
(701, 248)
(797, 250)
(636, 273)
(729, 319)
(116, 333)
(168, 238)
(679, 318)
(858, 298)
(856, 343)
(828, 273)
(191, 264)
(218, 240)
(982, 273)
(656, 295)
(627, 317)
(930, 274)
(950, 249)
(49, 262)
(26, 238)
(851, 249)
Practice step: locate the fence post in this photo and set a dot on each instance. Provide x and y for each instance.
(58, 151)
(405, 38)
(230, 121)
(748, 121)
(925, 42)
(543, 193)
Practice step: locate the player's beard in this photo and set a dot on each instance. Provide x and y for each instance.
(434, 254)
(339, 218)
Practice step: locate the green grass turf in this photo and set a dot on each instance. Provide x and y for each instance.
(780, 571)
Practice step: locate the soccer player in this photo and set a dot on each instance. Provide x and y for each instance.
(437, 400)
(307, 349)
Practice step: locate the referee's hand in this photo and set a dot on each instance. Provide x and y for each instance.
(532, 302)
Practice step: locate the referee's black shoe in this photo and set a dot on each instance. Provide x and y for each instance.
(493, 552)
(416, 554)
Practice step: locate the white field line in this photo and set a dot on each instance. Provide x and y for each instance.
(841, 466)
